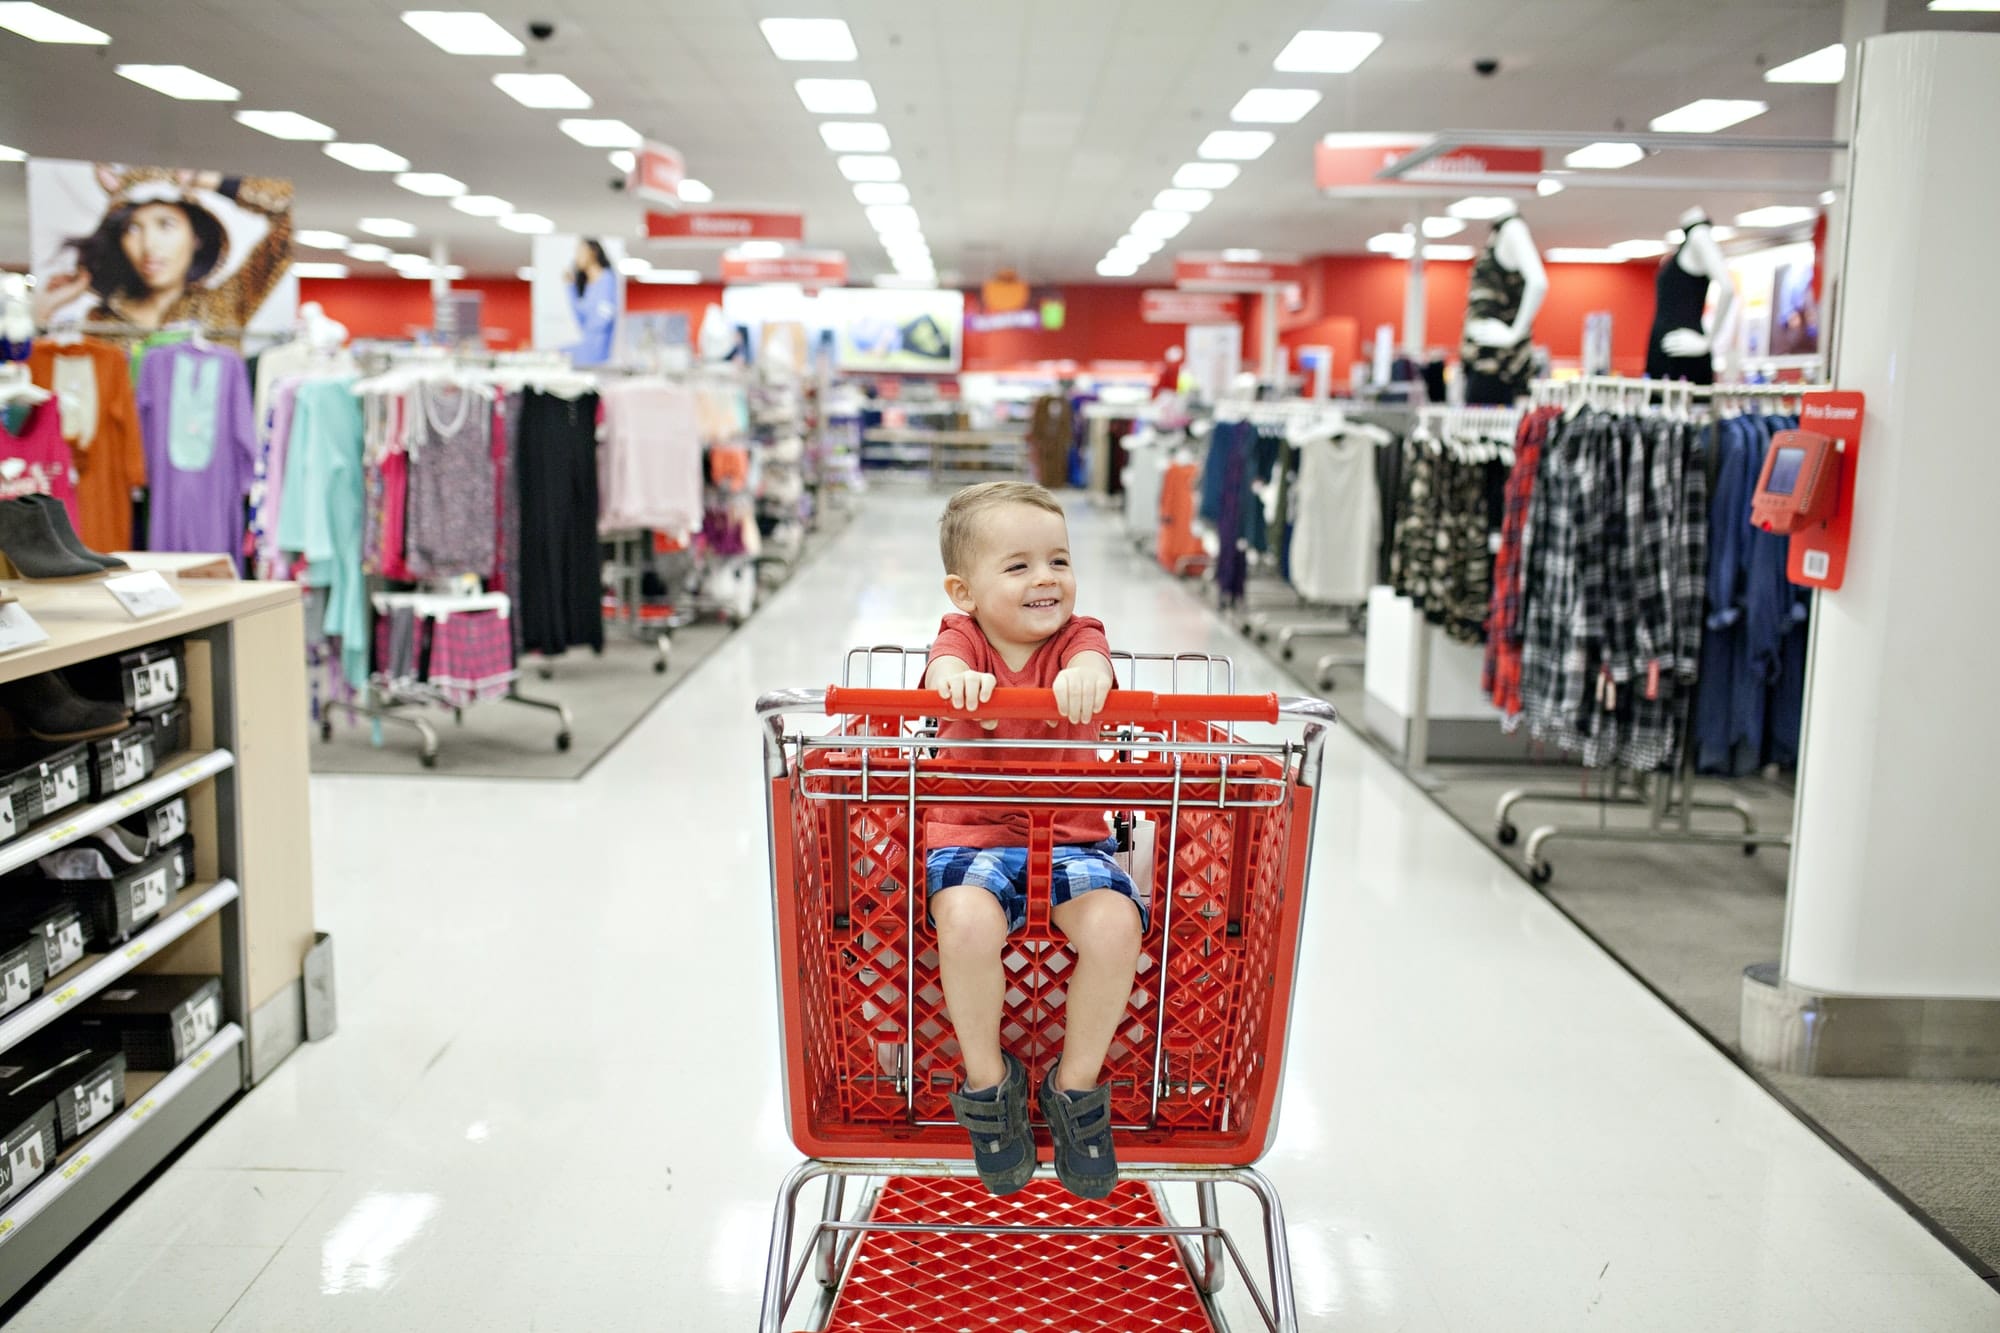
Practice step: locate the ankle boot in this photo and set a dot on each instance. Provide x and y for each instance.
(52, 711)
(30, 542)
(59, 523)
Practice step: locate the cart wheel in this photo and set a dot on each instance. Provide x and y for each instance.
(1508, 835)
(1749, 849)
(1541, 872)
(428, 760)
(659, 666)
(1286, 652)
(562, 742)
(546, 672)
(458, 716)
(326, 731)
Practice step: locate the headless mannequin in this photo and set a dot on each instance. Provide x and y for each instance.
(1682, 345)
(1498, 325)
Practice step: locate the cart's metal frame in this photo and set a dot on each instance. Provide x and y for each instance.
(1202, 1247)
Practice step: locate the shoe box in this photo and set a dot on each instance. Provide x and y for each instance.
(58, 926)
(169, 727)
(40, 780)
(87, 1085)
(117, 908)
(145, 678)
(157, 1020)
(27, 1141)
(23, 972)
(122, 761)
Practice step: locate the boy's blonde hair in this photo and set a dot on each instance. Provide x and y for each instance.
(958, 529)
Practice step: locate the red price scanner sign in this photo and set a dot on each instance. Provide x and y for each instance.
(1806, 489)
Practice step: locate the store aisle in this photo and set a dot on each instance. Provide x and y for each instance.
(554, 1102)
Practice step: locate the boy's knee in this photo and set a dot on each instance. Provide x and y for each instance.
(1103, 923)
(969, 921)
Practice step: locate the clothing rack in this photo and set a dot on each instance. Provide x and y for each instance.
(1668, 798)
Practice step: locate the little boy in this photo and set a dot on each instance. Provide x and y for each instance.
(1007, 570)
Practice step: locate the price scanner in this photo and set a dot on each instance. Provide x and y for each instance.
(1800, 485)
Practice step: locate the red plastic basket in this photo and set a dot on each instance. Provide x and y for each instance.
(1195, 1067)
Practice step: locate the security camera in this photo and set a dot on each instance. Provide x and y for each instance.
(1486, 67)
(541, 30)
(617, 185)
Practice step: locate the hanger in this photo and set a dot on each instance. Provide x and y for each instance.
(16, 387)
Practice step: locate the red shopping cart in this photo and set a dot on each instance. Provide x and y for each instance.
(1222, 788)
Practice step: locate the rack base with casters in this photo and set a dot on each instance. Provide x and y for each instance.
(929, 1250)
(384, 707)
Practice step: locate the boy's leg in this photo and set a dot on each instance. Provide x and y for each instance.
(1103, 928)
(972, 933)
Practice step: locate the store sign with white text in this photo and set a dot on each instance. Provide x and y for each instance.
(1346, 164)
(1173, 307)
(657, 174)
(710, 225)
(807, 268)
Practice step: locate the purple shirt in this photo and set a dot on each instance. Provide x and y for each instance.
(201, 448)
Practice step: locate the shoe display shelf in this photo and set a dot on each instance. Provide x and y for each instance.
(246, 914)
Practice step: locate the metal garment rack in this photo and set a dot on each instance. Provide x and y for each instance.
(1667, 797)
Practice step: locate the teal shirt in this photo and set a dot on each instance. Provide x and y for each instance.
(324, 463)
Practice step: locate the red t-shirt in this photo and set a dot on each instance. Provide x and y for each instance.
(1002, 826)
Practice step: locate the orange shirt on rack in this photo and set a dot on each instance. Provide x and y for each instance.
(100, 420)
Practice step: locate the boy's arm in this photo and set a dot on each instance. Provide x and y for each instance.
(1082, 685)
(955, 680)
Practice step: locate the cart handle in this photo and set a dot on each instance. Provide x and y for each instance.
(1120, 706)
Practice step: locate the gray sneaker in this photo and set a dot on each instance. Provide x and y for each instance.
(1003, 1147)
(1080, 1124)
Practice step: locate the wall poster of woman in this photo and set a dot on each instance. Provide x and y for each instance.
(579, 296)
(142, 248)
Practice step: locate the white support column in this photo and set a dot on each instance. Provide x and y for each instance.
(1270, 369)
(1416, 309)
(440, 260)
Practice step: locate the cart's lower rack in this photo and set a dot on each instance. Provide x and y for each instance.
(194, 905)
(161, 1111)
(173, 777)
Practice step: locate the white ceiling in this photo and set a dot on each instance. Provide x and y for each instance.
(1030, 133)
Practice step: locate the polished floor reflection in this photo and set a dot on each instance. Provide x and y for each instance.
(554, 1099)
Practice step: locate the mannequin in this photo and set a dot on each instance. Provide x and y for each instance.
(1508, 287)
(1682, 346)
(17, 317)
(323, 333)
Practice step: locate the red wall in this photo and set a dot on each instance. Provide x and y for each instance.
(398, 307)
(1100, 323)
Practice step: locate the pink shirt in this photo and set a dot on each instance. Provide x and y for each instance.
(1002, 826)
(37, 461)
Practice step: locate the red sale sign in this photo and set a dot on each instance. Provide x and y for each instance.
(1173, 307)
(808, 268)
(1214, 273)
(1347, 163)
(658, 173)
(1819, 553)
(718, 225)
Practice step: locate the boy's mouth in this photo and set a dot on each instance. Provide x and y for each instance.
(1043, 604)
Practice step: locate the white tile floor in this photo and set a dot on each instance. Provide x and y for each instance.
(554, 1102)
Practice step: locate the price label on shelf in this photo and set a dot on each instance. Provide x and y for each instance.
(144, 594)
(18, 629)
(149, 894)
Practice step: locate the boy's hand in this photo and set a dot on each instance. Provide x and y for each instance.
(1080, 692)
(968, 690)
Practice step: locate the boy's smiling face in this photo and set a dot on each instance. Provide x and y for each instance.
(1019, 584)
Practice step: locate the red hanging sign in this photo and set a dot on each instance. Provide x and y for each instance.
(708, 226)
(1819, 553)
(1174, 307)
(809, 268)
(1214, 273)
(1347, 163)
(657, 174)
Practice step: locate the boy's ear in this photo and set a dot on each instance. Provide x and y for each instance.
(959, 591)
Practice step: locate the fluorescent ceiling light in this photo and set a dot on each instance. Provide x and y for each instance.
(1452, 253)
(1162, 222)
(286, 125)
(180, 81)
(1183, 201)
(12, 154)
(1547, 186)
(1138, 254)
(1827, 197)
(367, 157)
(809, 39)
(1578, 255)
(482, 205)
(1242, 256)
(1112, 268)
(602, 133)
(1707, 115)
(759, 250)
(1777, 215)
(1438, 228)
(624, 159)
(464, 32)
(908, 247)
(1274, 106)
(916, 268)
(1826, 65)
(871, 168)
(1134, 241)
(882, 192)
(404, 259)
(1239, 145)
(1396, 243)
(1206, 176)
(1317, 51)
(1606, 156)
(855, 136)
(543, 92)
(430, 184)
(632, 265)
(1722, 233)
(320, 240)
(680, 277)
(893, 219)
(45, 25)
(836, 97)
(1640, 249)
(899, 282)
(315, 270)
(369, 253)
(395, 228)
(1482, 207)
(693, 191)
(526, 273)
(528, 224)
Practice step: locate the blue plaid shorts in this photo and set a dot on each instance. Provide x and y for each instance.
(1003, 872)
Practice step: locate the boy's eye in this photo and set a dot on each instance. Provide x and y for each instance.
(1060, 563)
(1015, 568)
